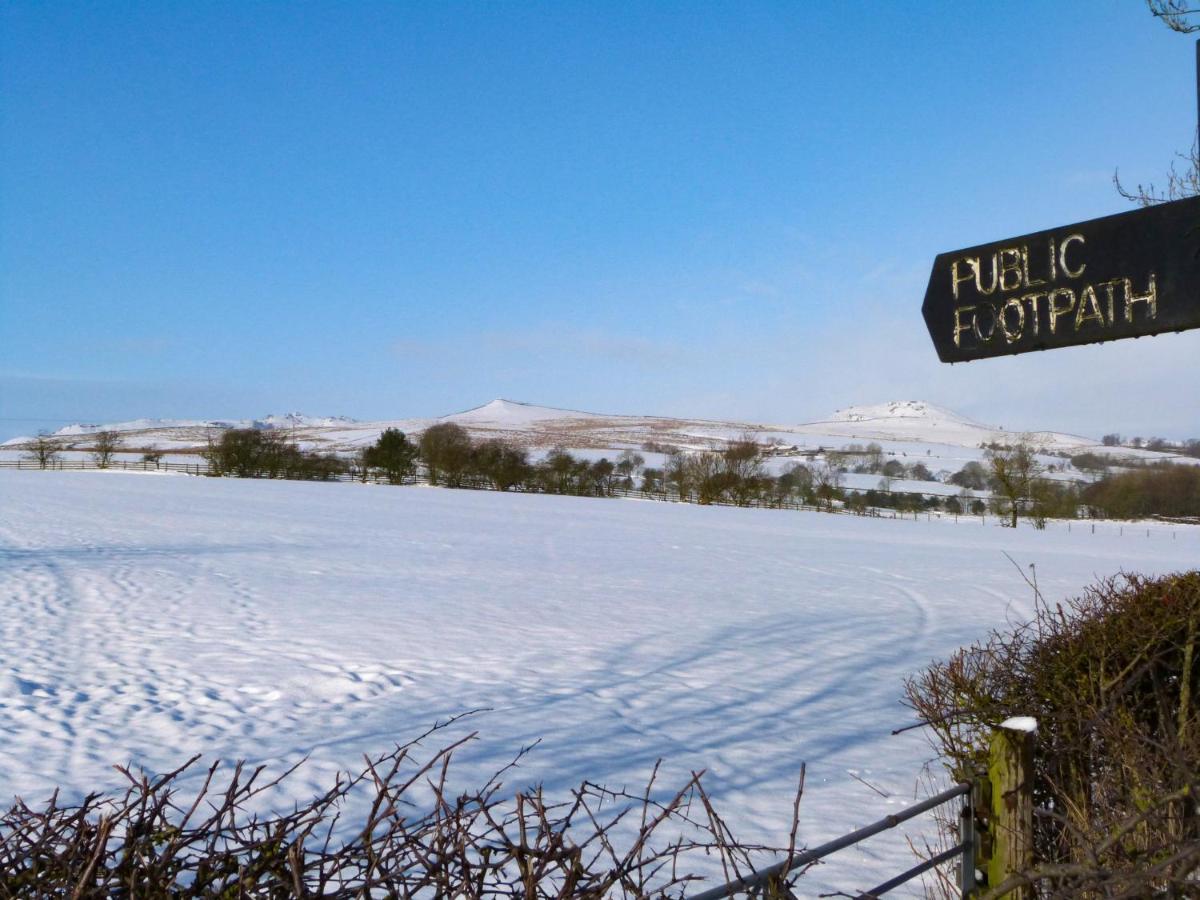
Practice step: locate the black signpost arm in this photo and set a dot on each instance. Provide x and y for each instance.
(1133, 274)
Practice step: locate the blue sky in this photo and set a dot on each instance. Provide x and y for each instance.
(396, 209)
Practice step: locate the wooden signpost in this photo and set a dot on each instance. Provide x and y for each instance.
(1129, 275)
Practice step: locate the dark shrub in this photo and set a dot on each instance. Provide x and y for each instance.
(1113, 679)
(503, 465)
(446, 449)
(393, 454)
(1163, 490)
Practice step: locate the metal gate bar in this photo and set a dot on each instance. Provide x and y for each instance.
(762, 876)
(944, 856)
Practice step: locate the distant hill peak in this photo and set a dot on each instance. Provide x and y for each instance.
(901, 409)
(511, 412)
(300, 420)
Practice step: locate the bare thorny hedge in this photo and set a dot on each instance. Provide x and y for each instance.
(160, 838)
(1113, 678)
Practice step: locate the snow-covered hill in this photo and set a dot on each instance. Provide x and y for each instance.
(908, 428)
(926, 423)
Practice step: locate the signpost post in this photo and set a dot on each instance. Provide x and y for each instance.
(1129, 275)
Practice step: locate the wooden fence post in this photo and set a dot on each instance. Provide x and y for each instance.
(1010, 773)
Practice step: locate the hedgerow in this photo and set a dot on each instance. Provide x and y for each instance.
(1112, 678)
(167, 836)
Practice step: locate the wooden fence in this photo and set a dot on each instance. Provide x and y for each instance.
(65, 465)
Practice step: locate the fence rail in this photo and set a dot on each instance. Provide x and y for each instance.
(61, 465)
(760, 880)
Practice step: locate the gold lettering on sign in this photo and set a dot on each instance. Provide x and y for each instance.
(1014, 303)
(979, 277)
(1033, 308)
(1010, 268)
(956, 279)
(1089, 308)
(1109, 291)
(979, 335)
(1062, 256)
(1057, 310)
(1010, 264)
(1150, 298)
(959, 327)
(1031, 282)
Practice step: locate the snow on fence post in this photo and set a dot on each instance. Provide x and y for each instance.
(1010, 775)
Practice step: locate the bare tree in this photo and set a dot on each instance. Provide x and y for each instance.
(1184, 181)
(446, 449)
(826, 479)
(558, 470)
(106, 444)
(1014, 470)
(678, 474)
(652, 481)
(361, 463)
(630, 463)
(706, 474)
(43, 451)
(212, 454)
(1174, 14)
(742, 465)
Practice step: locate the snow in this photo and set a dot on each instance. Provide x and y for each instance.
(148, 618)
(300, 420)
(915, 420)
(902, 409)
(940, 437)
(511, 414)
(1028, 724)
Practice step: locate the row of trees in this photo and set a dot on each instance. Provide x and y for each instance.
(453, 459)
(1188, 447)
(267, 453)
(734, 475)
(861, 502)
(737, 475)
(45, 451)
(1167, 490)
(872, 460)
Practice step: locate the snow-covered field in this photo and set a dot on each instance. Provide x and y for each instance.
(147, 617)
